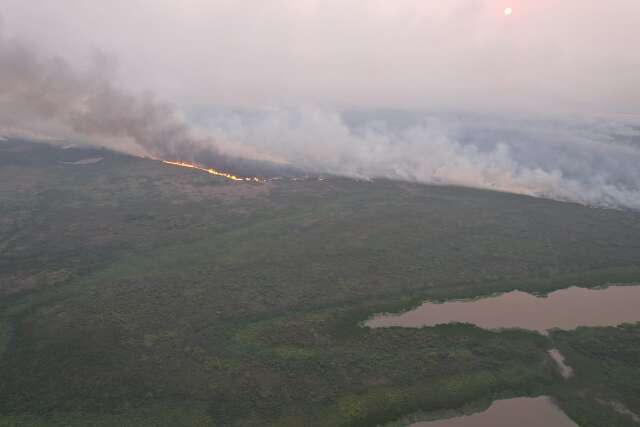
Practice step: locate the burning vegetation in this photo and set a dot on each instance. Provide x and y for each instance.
(211, 171)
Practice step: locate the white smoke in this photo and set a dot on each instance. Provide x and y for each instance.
(593, 162)
(590, 162)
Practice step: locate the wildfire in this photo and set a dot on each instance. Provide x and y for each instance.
(210, 171)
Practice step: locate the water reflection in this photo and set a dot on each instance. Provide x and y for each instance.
(564, 309)
(522, 412)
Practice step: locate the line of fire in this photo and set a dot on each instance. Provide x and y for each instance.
(211, 171)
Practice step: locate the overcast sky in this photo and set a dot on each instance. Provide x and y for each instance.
(549, 55)
(313, 83)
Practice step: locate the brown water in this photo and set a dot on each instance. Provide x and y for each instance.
(565, 309)
(522, 412)
(88, 161)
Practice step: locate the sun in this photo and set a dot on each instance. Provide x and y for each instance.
(508, 11)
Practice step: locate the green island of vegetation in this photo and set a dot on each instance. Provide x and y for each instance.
(134, 293)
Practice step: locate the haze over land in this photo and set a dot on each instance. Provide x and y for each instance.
(279, 174)
(359, 88)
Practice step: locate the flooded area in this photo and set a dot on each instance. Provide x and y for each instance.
(565, 309)
(89, 161)
(521, 412)
(565, 370)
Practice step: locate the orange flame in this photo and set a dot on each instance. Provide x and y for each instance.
(210, 171)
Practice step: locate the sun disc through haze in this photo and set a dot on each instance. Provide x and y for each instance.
(337, 53)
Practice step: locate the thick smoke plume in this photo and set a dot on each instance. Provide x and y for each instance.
(38, 89)
(591, 162)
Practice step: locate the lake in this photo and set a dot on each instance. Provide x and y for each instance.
(521, 412)
(564, 309)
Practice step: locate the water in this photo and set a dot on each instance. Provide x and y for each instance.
(521, 412)
(564, 309)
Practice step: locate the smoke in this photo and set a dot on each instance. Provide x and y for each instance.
(593, 162)
(34, 89)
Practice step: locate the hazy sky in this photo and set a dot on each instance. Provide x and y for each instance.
(559, 55)
(311, 83)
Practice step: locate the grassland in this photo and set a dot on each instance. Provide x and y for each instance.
(136, 293)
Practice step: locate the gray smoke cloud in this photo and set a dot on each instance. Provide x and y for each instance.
(593, 162)
(35, 89)
(589, 161)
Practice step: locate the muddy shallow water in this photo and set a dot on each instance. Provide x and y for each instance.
(564, 309)
(521, 412)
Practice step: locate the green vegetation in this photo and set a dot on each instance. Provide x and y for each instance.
(136, 293)
(607, 366)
